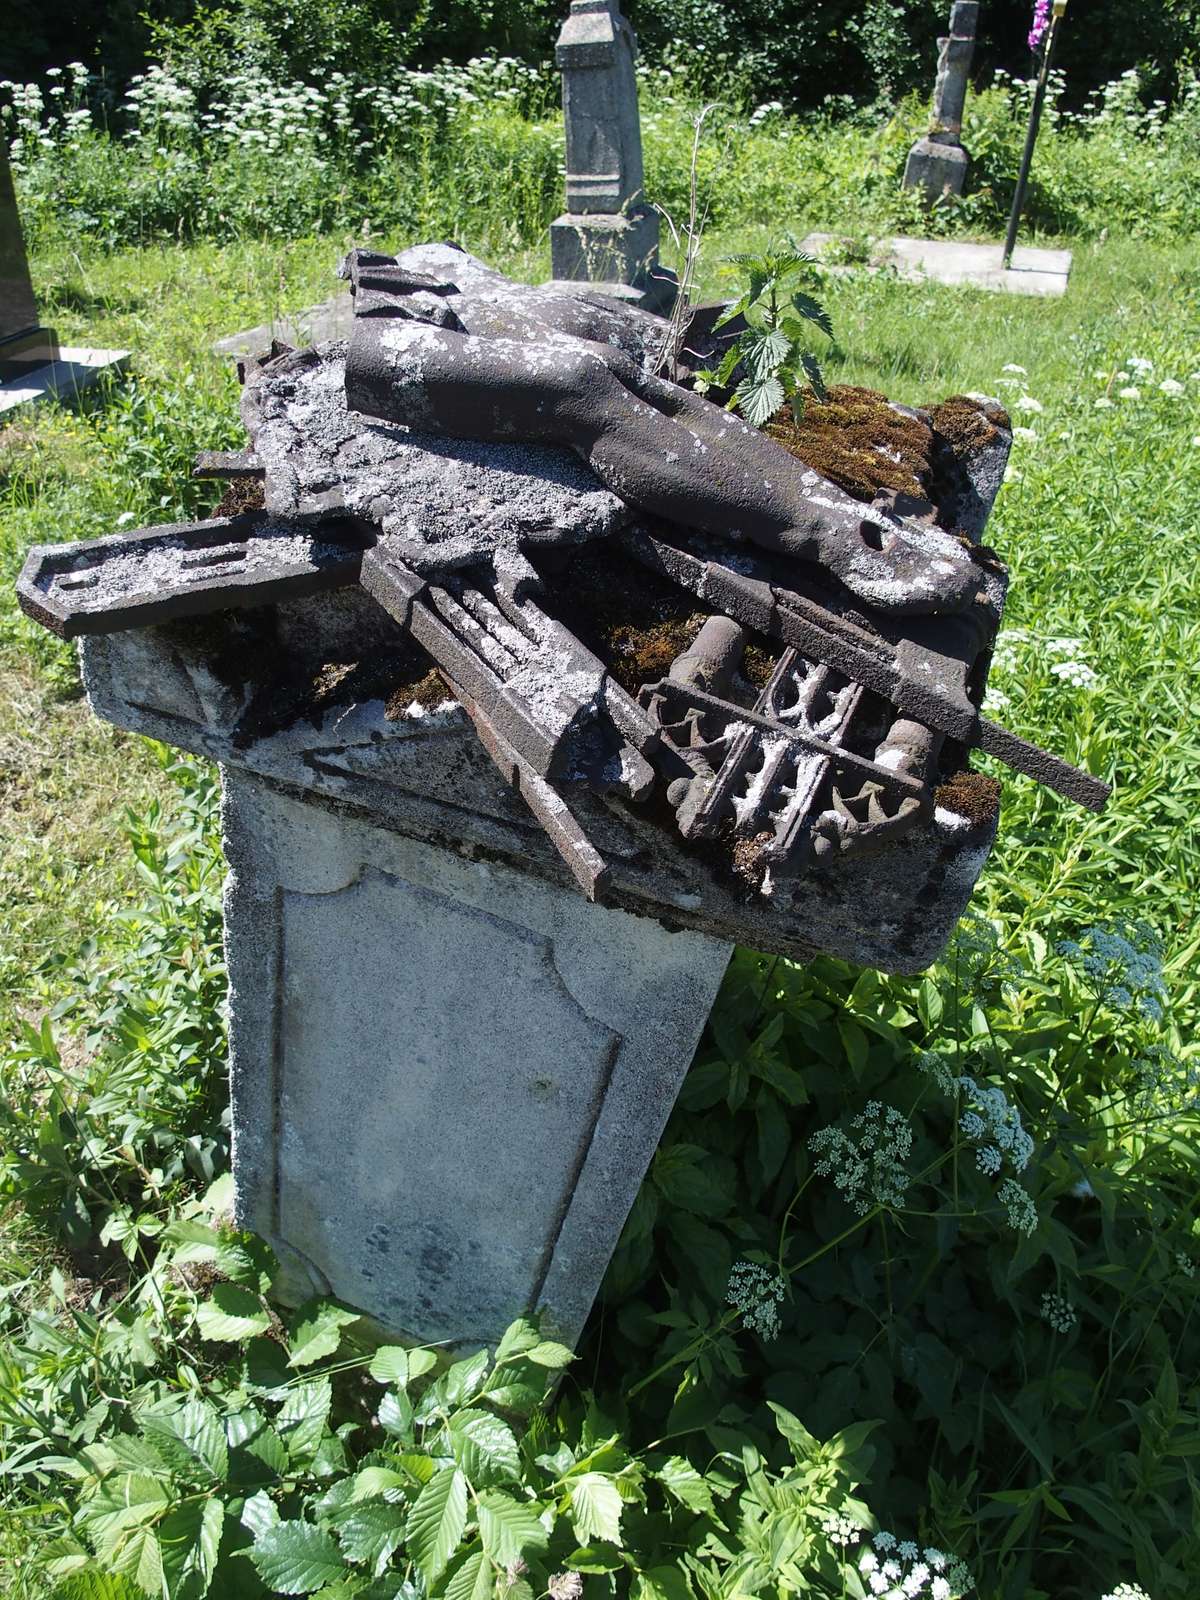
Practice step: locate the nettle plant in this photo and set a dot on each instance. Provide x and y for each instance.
(771, 350)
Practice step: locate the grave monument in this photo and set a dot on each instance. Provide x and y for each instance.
(938, 163)
(537, 680)
(608, 235)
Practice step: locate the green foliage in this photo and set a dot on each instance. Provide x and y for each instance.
(772, 348)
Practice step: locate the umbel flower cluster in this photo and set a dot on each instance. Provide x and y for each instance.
(896, 1569)
(1122, 965)
(757, 1293)
(867, 1164)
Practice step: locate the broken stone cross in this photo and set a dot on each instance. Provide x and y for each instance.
(938, 162)
(608, 235)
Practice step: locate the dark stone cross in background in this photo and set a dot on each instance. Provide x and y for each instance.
(24, 344)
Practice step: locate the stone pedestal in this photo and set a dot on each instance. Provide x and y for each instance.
(608, 236)
(937, 163)
(448, 1078)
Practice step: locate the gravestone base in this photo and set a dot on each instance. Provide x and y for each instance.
(617, 252)
(938, 166)
(74, 369)
(448, 1077)
(21, 353)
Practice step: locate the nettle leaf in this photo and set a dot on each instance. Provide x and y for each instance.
(596, 1508)
(764, 351)
(484, 1447)
(316, 1331)
(191, 1438)
(508, 1527)
(232, 1314)
(687, 1485)
(759, 400)
(437, 1520)
(369, 1531)
(296, 1558)
(303, 1416)
(473, 1580)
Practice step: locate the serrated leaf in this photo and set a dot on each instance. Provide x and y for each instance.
(437, 1520)
(233, 1313)
(129, 1501)
(97, 1586)
(517, 1397)
(260, 1513)
(518, 1337)
(296, 1558)
(396, 1414)
(549, 1354)
(191, 1537)
(461, 1380)
(372, 1482)
(596, 1508)
(484, 1448)
(317, 1331)
(419, 1363)
(473, 1580)
(140, 1558)
(191, 1438)
(507, 1527)
(369, 1531)
(248, 1432)
(687, 1485)
(389, 1364)
(759, 399)
(302, 1418)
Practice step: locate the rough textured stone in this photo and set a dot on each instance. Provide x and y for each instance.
(448, 1078)
(24, 345)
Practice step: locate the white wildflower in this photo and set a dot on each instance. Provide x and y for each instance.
(906, 1550)
(1059, 1313)
(840, 1530)
(1028, 403)
(884, 1541)
(1140, 364)
(1130, 392)
(757, 1293)
(1022, 1213)
(1172, 388)
(1104, 403)
(1126, 1591)
(1185, 1264)
(940, 1589)
(867, 1164)
(1026, 433)
(1076, 673)
(1011, 366)
(565, 1586)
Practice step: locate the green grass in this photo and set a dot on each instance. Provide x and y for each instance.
(1099, 523)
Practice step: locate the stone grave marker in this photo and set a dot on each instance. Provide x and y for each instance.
(537, 680)
(938, 162)
(33, 366)
(608, 235)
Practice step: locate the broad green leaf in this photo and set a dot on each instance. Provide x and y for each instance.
(248, 1432)
(687, 1485)
(317, 1331)
(461, 1381)
(419, 1363)
(140, 1558)
(437, 1520)
(473, 1580)
(375, 1481)
(508, 1527)
(518, 1337)
(389, 1364)
(663, 1583)
(805, 1446)
(97, 1586)
(369, 1530)
(396, 1414)
(302, 1418)
(232, 1314)
(484, 1448)
(259, 1513)
(191, 1537)
(596, 1508)
(191, 1438)
(129, 1501)
(549, 1354)
(296, 1558)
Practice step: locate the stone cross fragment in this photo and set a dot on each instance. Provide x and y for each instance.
(608, 235)
(24, 345)
(938, 162)
(449, 1067)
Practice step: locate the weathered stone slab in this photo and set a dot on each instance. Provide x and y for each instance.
(956, 261)
(448, 1078)
(75, 369)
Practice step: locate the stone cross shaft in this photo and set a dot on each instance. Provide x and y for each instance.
(23, 344)
(608, 234)
(938, 163)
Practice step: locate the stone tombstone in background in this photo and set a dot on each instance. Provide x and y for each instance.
(608, 235)
(24, 344)
(938, 162)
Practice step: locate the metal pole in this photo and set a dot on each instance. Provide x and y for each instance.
(1035, 122)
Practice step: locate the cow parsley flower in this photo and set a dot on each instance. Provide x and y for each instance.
(1028, 403)
(1140, 364)
(757, 1293)
(1104, 403)
(1131, 392)
(1077, 673)
(1022, 1213)
(840, 1530)
(867, 1163)
(1172, 388)
(1126, 1591)
(1122, 962)
(1030, 435)
(1059, 1313)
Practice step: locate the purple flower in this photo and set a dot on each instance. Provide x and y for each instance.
(1041, 21)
